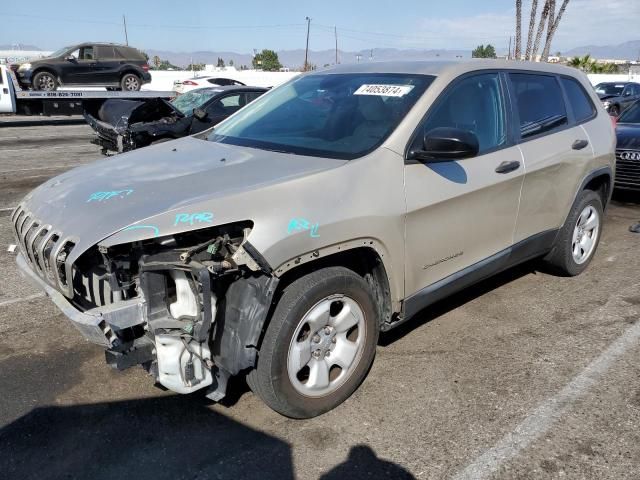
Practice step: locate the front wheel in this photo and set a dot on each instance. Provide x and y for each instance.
(579, 237)
(44, 81)
(319, 345)
(130, 82)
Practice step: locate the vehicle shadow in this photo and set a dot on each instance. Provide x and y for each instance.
(458, 299)
(174, 437)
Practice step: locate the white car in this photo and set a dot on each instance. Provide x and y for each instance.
(183, 86)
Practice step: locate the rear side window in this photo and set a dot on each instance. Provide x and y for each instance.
(105, 52)
(580, 102)
(540, 103)
(129, 53)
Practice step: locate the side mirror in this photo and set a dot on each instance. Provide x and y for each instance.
(70, 58)
(445, 144)
(200, 114)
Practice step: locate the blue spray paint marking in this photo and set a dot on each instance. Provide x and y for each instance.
(302, 224)
(101, 196)
(156, 230)
(191, 218)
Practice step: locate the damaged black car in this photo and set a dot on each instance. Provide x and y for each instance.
(123, 125)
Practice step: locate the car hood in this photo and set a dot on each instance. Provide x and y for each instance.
(604, 96)
(628, 135)
(93, 202)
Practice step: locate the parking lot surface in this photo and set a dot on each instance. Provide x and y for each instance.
(527, 375)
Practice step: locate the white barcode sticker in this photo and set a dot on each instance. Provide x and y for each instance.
(384, 90)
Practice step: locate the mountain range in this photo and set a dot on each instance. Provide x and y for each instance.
(295, 58)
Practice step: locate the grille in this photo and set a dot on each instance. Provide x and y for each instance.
(628, 169)
(45, 249)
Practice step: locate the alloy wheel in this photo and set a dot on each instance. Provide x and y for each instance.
(326, 346)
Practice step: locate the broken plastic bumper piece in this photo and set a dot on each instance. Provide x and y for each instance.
(98, 325)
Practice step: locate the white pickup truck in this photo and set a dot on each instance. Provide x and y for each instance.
(13, 99)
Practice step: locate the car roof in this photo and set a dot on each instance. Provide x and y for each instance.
(441, 68)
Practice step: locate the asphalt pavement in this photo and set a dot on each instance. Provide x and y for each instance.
(526, 375)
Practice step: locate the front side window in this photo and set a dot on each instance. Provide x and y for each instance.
(580, 102)
(227, 105)
(539, 102)
(474, 104)
(86, 53)
(328, 115)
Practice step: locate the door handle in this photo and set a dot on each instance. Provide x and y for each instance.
(506, 167)
(580, 144)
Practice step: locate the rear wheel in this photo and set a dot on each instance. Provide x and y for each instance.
(578, 239)
(44, 81)
(319, 345)
(130, 82)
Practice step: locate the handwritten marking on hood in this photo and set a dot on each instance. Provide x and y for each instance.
(103, 196)
(192, 218)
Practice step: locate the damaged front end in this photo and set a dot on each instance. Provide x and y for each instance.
(188, 307)
(124, 125)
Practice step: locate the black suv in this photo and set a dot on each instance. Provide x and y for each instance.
(97, 64)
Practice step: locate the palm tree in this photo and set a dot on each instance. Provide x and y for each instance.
(518, 51)
(583, 63)
(541, 26)
(532, 24)
(553, 26)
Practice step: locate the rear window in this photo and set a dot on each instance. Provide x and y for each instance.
(129, 53)
(581, 104)
(540, 103)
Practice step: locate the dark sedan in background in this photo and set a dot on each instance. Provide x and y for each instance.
(123, 125)
(617, 96)
(628, 149)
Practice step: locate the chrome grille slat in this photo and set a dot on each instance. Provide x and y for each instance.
(41, 245)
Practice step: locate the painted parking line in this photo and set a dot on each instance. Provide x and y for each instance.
(540, 420)
(23, 299)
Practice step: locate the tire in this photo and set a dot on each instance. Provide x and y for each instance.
(44, 81)
(297, 322)
(614, 110)
(130, 82)
(573, 251)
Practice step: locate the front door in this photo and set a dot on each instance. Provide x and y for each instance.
(460, 213)
(81, 68)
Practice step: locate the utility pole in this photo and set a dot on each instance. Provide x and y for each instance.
(371, 55)
(335, 31)
(509, 55)
(124, 22)
(306, 51)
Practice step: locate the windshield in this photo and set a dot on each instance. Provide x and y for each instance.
(631, 114)
(609, 89)
(59, 52)
(193, 99)
(328, 115)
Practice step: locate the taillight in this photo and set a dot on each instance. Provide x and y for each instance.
(145, 67)
(189, 82)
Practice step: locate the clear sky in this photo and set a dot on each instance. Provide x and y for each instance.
(244, 25)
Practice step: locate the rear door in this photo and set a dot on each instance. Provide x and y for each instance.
(460, 213)
(107, 65)
(556, 152)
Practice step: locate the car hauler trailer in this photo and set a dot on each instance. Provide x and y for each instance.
(13, 99)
